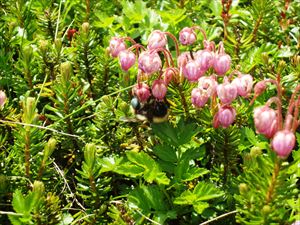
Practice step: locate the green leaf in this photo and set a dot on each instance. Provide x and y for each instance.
(216, 7)
(186, 198)
(193, 173)
(206, 191)
(250, 135)
(200, 206)
(165, 152)
(18, 202)
(130, 170)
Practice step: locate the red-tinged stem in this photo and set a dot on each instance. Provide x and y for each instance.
(175, 42)
(136, 47)
(296, 114)
(129, 39)
(167, 55)
(201, 30)
(292, 99)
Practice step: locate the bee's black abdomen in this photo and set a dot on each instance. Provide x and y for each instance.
(160, 109)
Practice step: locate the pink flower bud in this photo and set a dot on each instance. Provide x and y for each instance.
(205, 58)
(259, 88)
(199, 97)
(127, 59)
(296, 222)
(183, 59)
(187, 36)
(142, 92)
(224, 117)
(168, 75)
(159, 89)
(157, 39)
(2, 98)
(116, 45)
(244, 84)
(227, 92)
(265, 120)
(149, 62)
(208, 84)
(221, 63)
(283, 143)
(192, 71)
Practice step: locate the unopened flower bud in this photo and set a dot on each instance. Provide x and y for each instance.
(85, 27)
(66, 71)
(266, 210)
(38, 187)
(243, 188)
(227, 92)
(255, 151)
(224, 117)
(43, 44)
(127, 59)
(2, 98)
(259, 88)
(198, 97)
(58, 44)
(49, 148)
(265, 120)
(169, 74)
(159, 89)
(142, 92)
(281, 66)
(283, 143)
(149, 62)
(157, 39)
(116, 45)
(187, 36)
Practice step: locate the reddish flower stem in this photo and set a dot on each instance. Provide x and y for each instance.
(175, 42)
(201, 30)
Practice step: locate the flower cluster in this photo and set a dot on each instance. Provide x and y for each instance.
(203, 66)
(269, 122)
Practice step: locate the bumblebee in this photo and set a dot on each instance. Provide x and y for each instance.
(153, 111)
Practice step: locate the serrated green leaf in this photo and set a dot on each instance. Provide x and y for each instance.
(129, 169)
(165, 152)
(200, 206)
(186, 198)
(194, 173)
(250, 135)
(206, 191)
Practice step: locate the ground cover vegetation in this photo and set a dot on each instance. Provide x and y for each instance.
(149, 112)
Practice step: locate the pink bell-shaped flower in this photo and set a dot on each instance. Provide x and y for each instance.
(116, 45)
(159, 89)
(127, 59)
(192, 71)
(199, 97)
(187, 36)
(149, 62)
(2, 99)
(260, 87)
(222, 61)
(168, 75)
(157, 39)
(142, 92)
(283, 143)
(227, 92)
(205, 58)
(183, 59)
(224, 117)
(208, 84)
(265, 120)
(244, 84)
(296, 222)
